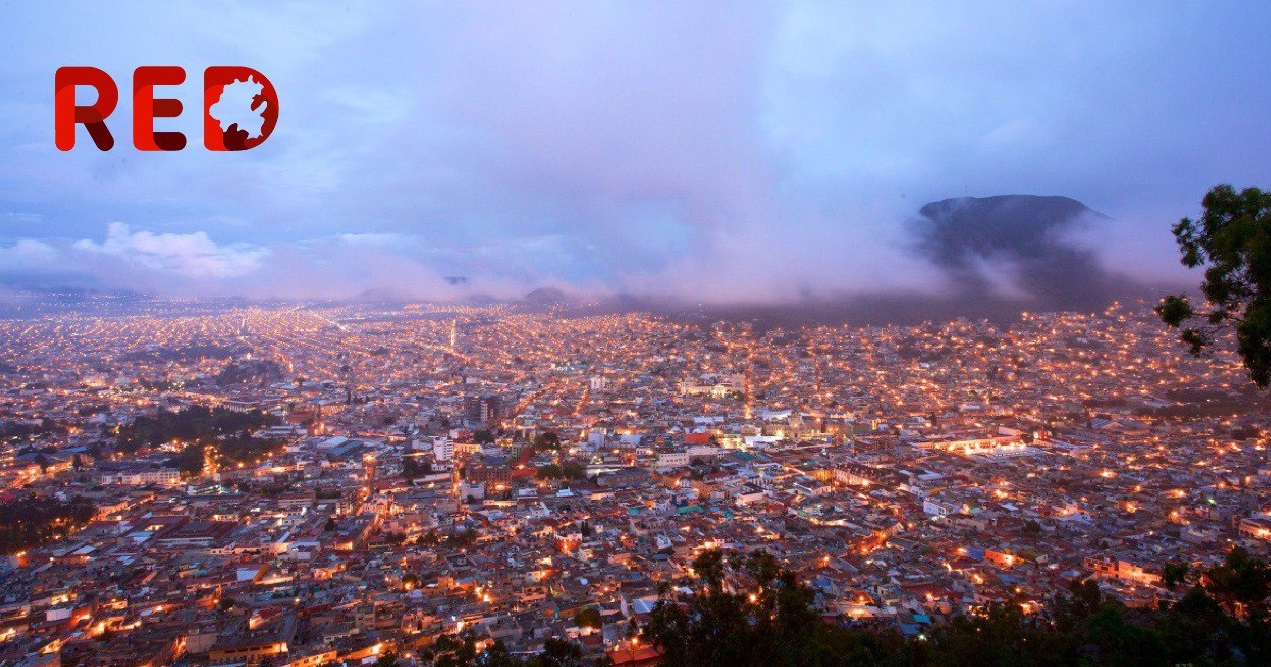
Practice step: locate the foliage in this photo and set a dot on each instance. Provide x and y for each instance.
(769, 622)
(549, 471)
(257, 371)
(451, 651)
(194, 424)
(31, 521)
(239, 448)
(573, 470)
(414, 467)
(1174, 574)
(557, 653)
(547, 440)
(568, 470)
(461, 651)
(17, 430)
(746, 610)
(386, 660)
(189, 460)
(587, 617)
(1232, 242)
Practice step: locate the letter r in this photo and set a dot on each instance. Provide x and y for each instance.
(66, 113)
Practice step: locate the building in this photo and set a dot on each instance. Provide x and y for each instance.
(482, 409)
(443, 448)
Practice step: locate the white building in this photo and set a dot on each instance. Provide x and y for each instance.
(443, 448)
(169, 476)
(671, 459)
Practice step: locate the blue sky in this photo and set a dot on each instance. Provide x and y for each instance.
(710, 150)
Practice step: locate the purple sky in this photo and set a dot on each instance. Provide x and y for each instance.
(715, 151)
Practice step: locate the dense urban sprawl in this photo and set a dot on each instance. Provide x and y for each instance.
(304, 485)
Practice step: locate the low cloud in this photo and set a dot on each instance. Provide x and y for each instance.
(27, 254)
(193, 255)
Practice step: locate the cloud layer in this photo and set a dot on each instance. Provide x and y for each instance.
(713, 151)
(192, 255)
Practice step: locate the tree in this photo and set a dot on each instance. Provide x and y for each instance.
(31, 521)
(709, 567)
(558, 653)
(1174, 574)
(546, 440)
(414, 467)
(1241, 581)
(498, 656)
(587, 617)
(1232, 242)
(452, 651)
(769, 622)
(573, 470)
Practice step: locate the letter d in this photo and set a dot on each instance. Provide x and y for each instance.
(233, 122)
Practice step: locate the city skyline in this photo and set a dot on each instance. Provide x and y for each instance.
(204, 483)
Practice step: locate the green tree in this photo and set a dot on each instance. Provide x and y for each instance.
(558, 653)
(452, 651)
(547, 440)
(414, 467)
(748, 610)
(498, 656)
(1242, 582)
(573, 470)
(1174, 574)
(587, 617)
(31, 521)
(386, 660)
(1232, 242)
(1119, 641)
(769, 621)
(709, 567)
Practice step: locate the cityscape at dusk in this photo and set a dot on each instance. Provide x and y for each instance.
(418, 471)
(635, 334)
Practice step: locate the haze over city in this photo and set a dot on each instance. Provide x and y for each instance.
(710, 152)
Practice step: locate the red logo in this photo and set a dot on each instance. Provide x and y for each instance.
(240, 107)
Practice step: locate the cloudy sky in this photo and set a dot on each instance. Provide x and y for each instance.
(723, 151)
